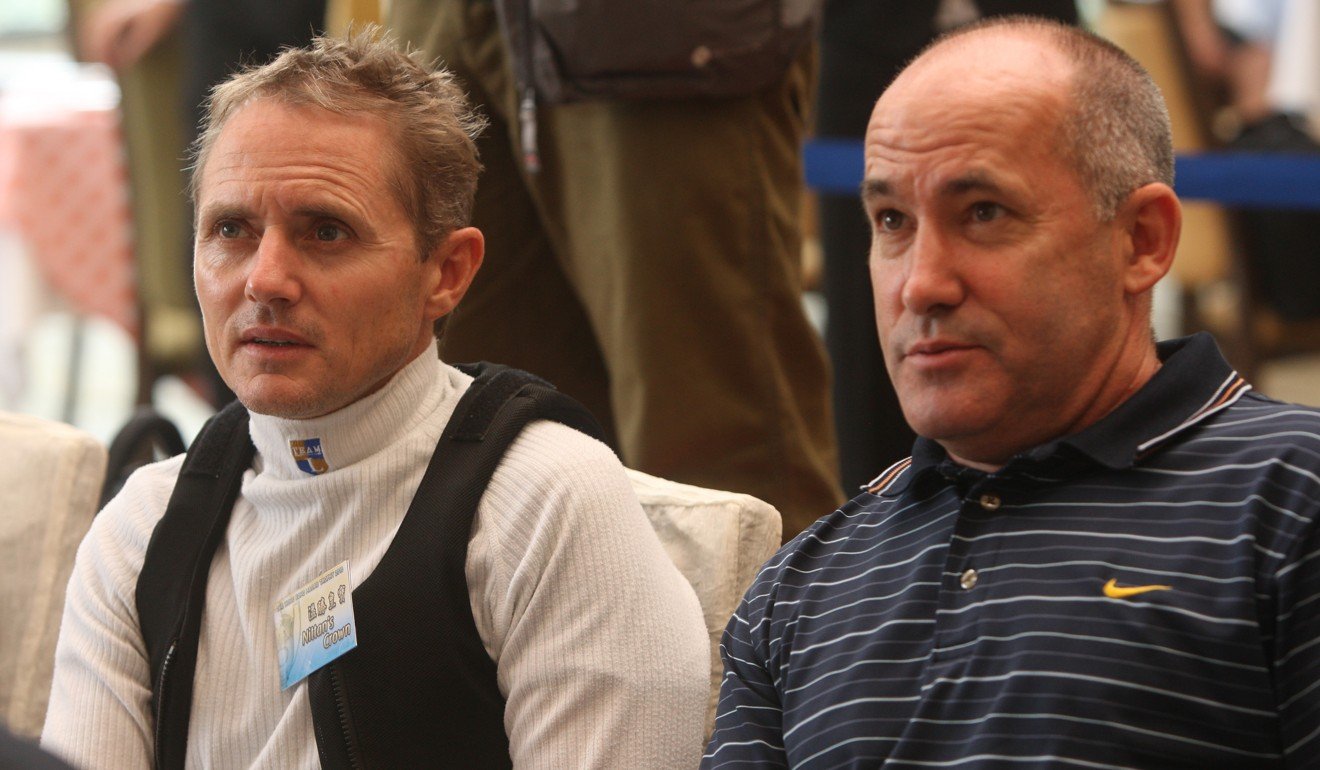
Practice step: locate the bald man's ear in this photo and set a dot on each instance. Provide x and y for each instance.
(1152, 221)
(454, 263)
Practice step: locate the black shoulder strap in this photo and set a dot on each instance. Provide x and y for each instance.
(395, 701)
(496, 388)
(171, 589)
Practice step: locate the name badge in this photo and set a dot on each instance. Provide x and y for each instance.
(314, 625)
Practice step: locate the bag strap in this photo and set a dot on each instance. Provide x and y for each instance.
(171, 589)
(395, 702)
(495, 388)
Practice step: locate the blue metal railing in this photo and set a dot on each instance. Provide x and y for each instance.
(1248, 180)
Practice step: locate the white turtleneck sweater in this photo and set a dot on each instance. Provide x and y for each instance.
(599, 642)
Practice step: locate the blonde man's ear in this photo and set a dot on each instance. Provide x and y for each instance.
(454, 263)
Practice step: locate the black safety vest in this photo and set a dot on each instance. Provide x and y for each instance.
(410, 694)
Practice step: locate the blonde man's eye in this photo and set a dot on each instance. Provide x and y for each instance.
(330, 233)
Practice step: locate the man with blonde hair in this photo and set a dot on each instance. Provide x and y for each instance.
(336, 611)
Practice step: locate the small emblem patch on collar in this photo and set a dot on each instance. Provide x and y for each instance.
(308, 455)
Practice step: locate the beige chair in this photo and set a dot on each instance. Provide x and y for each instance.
(50, 482)
(718, 540)
(51, 476)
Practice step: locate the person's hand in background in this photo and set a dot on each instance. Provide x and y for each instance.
(120, 32)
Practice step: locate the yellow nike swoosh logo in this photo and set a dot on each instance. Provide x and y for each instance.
(1115, 591)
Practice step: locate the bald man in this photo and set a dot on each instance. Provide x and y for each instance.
(1103, 551)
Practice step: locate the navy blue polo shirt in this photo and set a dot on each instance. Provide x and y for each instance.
(1142, 594)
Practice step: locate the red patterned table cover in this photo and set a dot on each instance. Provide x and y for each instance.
(64, 192)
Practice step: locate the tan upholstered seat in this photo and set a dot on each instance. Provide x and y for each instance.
(718, 540)
(51, 476)
(50, 482)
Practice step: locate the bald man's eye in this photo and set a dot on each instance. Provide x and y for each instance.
(985, 211)
(228, 229)
(891, 219)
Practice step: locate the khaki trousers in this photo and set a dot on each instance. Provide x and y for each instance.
(650, 269)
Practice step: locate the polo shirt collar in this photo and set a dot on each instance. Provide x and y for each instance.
(1194, 382)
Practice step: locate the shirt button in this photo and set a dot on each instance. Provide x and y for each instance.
(990, 502)
(968, 579)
